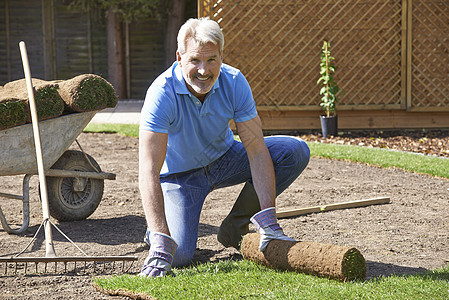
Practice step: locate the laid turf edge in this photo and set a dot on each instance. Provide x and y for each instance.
(245, 279)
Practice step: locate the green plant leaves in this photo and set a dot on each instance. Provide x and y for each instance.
(330, 87)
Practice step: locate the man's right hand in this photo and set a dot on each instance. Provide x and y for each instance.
(160, 255)
(268, 227)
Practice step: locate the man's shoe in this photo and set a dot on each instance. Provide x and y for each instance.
(236, 224)
(229, 236)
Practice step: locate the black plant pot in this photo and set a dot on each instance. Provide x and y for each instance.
(329, 125)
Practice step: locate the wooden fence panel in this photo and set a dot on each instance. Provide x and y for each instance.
(389, 54)
(80, 40)
(147, 51)
(147, 58)
(429, 56)
(277, 45)
(61, 43)
(24, 24)
(4, 52)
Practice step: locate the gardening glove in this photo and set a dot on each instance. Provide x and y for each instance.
(268, 227)
(160, 255)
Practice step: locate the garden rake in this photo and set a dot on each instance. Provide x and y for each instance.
(85, 262)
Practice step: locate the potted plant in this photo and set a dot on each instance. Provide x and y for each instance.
(328, 92)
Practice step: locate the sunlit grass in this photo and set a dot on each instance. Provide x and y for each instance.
(122, 129)
(435, 166)
(245, 279)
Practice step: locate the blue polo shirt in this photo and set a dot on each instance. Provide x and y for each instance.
(198, 133)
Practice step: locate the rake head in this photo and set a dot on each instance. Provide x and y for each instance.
(52, 264)
(69, 264)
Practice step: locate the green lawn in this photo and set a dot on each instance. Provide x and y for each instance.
(247, 280)
(435, 166)
(123, 129)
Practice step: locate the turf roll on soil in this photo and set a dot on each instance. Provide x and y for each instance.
(323, 260)
(87, 92)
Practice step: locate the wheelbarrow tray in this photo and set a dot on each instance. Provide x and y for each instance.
(17, 149)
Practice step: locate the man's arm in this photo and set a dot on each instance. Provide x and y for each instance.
(264, 181)
(152, 150)
(261, 165)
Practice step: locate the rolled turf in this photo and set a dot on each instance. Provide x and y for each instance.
(12, 112)
(323, 260)
(87, 92)
(15, 107)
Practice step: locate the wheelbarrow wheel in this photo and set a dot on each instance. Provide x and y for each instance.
(72, 199)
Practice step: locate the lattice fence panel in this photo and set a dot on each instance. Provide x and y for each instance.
(430, 55)
(277, 45)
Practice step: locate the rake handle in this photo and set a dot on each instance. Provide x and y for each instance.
(49, 247)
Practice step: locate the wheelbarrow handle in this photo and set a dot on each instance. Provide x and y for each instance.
(25, 204)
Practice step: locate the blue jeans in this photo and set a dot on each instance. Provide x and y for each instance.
(184, 193)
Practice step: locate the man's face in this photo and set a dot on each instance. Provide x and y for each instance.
(200, 66)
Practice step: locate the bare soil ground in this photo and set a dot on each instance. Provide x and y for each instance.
(408, 235)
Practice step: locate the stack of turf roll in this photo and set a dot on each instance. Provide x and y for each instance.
(86, 92)
(14, 106)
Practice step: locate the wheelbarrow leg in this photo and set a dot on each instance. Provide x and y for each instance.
(26, 207)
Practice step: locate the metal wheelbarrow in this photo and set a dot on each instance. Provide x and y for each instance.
(74, 179)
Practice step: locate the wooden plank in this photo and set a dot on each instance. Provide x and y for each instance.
(353, 120)
(334, 206)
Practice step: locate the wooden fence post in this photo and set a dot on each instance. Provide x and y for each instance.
(116, 54)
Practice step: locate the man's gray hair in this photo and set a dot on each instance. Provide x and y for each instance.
(202, 31)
